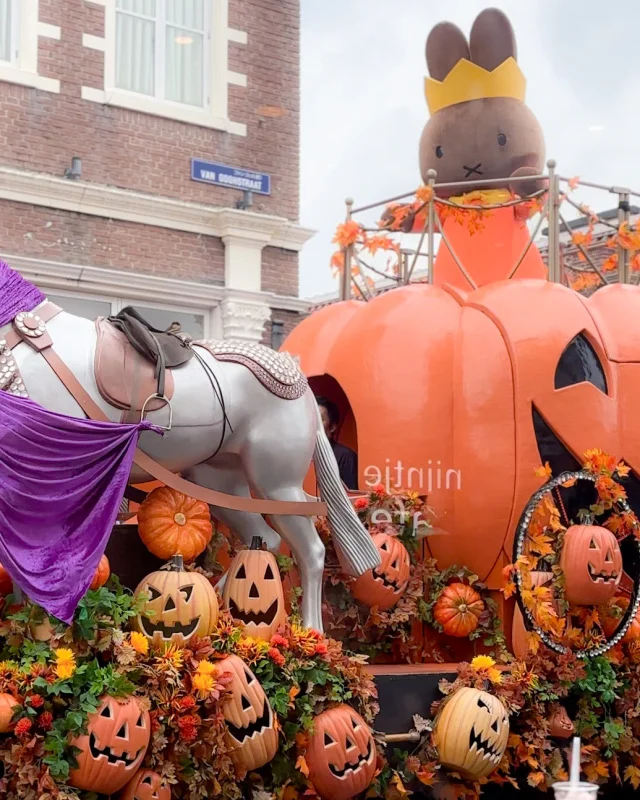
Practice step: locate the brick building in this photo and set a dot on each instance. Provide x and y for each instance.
(134, 90)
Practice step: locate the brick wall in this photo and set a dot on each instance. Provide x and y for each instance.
(279, 271)
(42, 131)
(290, 319)
(37, 232)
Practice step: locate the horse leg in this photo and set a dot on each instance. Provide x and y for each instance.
(230, 478)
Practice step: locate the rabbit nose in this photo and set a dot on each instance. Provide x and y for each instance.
(472, 170)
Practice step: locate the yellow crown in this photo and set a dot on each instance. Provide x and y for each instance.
(468, 81)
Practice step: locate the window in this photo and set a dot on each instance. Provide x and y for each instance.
(277, 334)
(161, 49)
(81, 306)
(9, 20)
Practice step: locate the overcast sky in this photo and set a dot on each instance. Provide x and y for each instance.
(363, 106)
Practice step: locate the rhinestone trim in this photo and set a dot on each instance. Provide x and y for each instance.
(37, 327)
(277, 372)
(523, 527)
(10, 377)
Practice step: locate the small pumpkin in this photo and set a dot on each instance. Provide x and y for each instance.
(251, 731)
(146, 785)
(6, 584)
(560, 724)
(102, 574)
(385, 585)
(341, 754)
(611, 617)
(113, 747)
(470, 732)
(253, 592)
(181, 605)
(171, 524)
(7, 707)
(592, 564)
(458, 609)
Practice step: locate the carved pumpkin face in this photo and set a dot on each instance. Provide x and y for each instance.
(181, 605)
(512, 375)
(471, 732)
(112, 750)
(250, 719)
(253, 592)
(341, 754)
(385, 585)
(592, 564)
(147, 785)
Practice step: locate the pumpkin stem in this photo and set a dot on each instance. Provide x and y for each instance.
(256, 543)
(176, 564)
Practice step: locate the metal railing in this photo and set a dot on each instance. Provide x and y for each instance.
(552, 198)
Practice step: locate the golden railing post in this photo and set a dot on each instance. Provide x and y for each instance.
(345, 278)
(623, 254)
(553, 247)
(431, 224)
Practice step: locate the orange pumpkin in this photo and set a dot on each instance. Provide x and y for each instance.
(170, 524)
(6, 584)
(102, 574)
(611, 621)
(458, 609)
(7, 707)
(113, 747)
(251, 725)
(510, 376)
(560, 724)
(341, 754)
(592, 564)
(253, 592)
(181, 605)
(146, 785)
(385, 585)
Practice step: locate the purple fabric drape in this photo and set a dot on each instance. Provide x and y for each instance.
(61, 483)
(16, 294)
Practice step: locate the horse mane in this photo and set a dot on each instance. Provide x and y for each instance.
(16, 294)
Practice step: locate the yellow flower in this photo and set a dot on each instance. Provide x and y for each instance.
(482, 662)
(139, 642)
(65, 663)
(172, 656)
(494, 675)
(203, 684)
(206, 668)
(8, 666)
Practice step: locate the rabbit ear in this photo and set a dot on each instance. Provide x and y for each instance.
(492, 40)
(446, 45)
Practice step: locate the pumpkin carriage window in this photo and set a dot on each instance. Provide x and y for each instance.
(580, 364)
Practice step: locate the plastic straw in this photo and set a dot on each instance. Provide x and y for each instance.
(574, 778)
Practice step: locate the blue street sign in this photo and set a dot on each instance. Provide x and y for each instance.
(230, 177)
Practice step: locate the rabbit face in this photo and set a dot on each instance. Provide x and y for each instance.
(481, 140)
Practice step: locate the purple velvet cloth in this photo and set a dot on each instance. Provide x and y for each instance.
(16, 294)
(61, 484)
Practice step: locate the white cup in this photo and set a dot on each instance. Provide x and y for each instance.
(580, 791)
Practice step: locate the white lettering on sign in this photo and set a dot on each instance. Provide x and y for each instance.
(207, 174)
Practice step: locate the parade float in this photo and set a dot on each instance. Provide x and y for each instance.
(443, 632)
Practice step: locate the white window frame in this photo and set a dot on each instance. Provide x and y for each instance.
(217, 79)
(26, 31)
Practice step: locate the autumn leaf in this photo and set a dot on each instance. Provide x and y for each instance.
(347, 233)
(535, 778)
(426, 776)
(543, 472)
(598, 770)
(573, 183)
(420, 724)
(301, 766)
(632, 775)
(396, 789)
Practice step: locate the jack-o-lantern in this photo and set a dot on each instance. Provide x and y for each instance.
(181, 605)
(251, 724)
(470, 733)
(253, 592)
(592, 564)
(113, 747)
(146, 785)
(341, 755)
(560, 723)
(512, 375)
(385, 585)
(8, 705)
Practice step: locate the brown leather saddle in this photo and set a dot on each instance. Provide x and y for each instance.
(133, 362)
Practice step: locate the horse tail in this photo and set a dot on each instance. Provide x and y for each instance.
(353, 544)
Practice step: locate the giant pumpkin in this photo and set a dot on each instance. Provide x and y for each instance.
(113, 747)
(463, 396)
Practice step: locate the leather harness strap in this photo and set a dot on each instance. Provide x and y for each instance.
(43, 345)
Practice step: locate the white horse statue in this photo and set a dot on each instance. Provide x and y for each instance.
(228, 429)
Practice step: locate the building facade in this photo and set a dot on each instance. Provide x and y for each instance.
(112, 113)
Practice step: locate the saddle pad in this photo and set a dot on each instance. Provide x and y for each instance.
(124, 378)
(277, 372)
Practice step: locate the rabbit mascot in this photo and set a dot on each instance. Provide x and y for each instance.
(479, 129)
